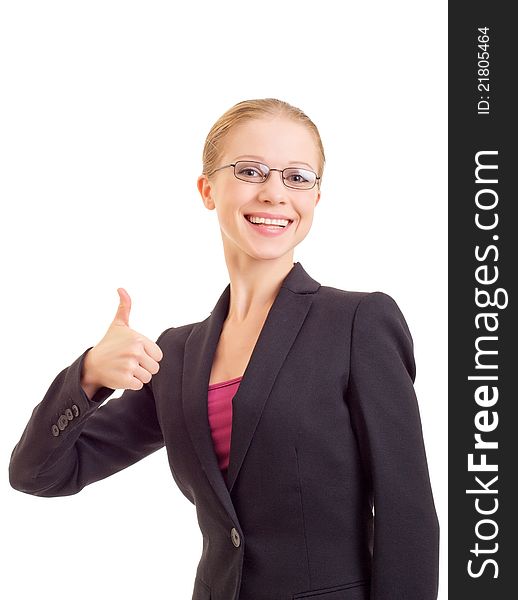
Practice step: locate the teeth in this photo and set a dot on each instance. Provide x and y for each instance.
(281, 222)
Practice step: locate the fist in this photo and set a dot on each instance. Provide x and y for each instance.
(124, 358)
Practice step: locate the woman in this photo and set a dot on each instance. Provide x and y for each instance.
(289, 414)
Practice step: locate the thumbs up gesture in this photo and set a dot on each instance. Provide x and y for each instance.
(124, 358)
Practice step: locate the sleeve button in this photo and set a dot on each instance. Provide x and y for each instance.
(68, 414)
(62, 422)
(75, 410)
(55, 430)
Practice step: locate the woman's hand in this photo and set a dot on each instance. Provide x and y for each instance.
(124, 358)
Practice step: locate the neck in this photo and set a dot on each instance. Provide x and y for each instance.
(254, 285)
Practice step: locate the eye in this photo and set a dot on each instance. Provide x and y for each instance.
(249, 171)
(297, 177)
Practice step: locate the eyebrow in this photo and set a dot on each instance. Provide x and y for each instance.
(260, 158)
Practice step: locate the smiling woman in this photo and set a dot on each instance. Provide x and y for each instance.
(289, 414)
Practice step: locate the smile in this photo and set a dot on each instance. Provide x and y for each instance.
(268, 227)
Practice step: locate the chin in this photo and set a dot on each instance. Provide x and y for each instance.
(270, 254)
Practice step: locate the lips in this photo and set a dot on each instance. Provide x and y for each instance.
(269, 230)
(268, 224)
(266, 215)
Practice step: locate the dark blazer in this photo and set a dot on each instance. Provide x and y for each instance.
(325, 426)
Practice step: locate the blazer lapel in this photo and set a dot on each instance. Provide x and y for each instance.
(282, 324)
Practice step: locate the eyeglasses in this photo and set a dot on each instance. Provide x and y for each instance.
(256, 172)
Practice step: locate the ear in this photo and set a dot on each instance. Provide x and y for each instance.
(205, 189)
(318, 197)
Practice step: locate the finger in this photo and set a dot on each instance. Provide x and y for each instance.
(153, 350)
(135, 384)
(123, 310)
(142, 374)
(150, 365)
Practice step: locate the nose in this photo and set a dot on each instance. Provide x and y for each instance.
(273, 188)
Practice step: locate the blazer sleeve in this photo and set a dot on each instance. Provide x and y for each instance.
(93, 442)
(385, 414)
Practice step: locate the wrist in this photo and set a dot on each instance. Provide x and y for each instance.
(88, 373)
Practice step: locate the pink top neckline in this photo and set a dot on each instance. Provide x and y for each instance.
(219, 384)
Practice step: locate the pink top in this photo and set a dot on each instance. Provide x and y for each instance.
(220, 418)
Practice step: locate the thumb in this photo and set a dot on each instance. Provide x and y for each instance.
(123, 311)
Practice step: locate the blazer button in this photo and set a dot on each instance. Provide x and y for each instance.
(68, 414)
(75, 410)
(62, 422)
(236, 540)
(55, 430)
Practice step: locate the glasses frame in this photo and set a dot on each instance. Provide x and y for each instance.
(270, 169)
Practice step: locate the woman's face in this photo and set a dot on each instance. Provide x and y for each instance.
(278, 143)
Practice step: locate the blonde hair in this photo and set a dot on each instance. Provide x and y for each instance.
(246, 111)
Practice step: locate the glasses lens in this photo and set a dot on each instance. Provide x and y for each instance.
(300, 179)
(251, 171)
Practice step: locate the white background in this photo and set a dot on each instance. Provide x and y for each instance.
(104, 109)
